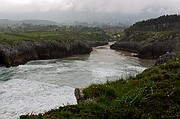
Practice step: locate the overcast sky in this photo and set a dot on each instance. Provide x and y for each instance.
(87, 10)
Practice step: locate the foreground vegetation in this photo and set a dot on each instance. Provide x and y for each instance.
(153, 94)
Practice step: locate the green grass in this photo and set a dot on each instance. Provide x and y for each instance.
(63, 36)
(153, 36)
(153, 94)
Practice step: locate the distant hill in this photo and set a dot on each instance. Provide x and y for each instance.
(162, 23)
(39, 22)
(7, 22)
(34, 22)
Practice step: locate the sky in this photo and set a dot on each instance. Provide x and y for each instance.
(87, 10)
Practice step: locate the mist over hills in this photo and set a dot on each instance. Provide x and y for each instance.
(33, 22)
(103, 11)
(7, 22)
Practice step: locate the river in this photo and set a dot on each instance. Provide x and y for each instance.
(42, 85)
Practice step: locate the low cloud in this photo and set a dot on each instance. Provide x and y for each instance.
(121, 6)
(138, 8)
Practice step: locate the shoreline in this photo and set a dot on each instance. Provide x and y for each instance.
(28, 51)
(143, 96)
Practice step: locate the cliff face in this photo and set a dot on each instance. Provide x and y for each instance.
(97, 43)
(126, 46)
(154, 50)
(146, 50)
(26, 51)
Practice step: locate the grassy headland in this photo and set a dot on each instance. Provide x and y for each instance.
(21, 44)
(158, 29)
(151, 38)
(153, 94)
(61, 34)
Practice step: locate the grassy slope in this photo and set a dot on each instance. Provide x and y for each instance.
(153, 94)
(153, 36)
(64, 36)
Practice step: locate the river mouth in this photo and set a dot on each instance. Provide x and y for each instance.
(41, 85)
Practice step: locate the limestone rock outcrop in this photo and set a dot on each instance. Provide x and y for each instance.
(147, 50)
(154, 50)
(21, 53)
(164, 58)
(126, 46)
(78, 94)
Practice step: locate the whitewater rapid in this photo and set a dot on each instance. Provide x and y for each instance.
(22, 97)
(42, 85)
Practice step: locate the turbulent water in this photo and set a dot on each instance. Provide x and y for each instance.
(42, 85)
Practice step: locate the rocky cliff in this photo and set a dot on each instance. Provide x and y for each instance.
(146, 50)
(14, 55)
(126, 46)
(154, 50)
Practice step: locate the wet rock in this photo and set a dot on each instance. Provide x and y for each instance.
(127, 46)
(78, 94)
(79, 48)
(98, 43)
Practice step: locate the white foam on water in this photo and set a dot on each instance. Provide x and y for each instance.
(31, 95)
(27, 67)
(105, 72)
(64, 69)
(18, 97)
(137, 69)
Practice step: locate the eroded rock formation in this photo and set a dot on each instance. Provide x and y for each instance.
(16, 54)
(126, 46)
(147, 50)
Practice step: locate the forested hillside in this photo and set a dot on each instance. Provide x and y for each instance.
(162, 23)
(151, 38)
